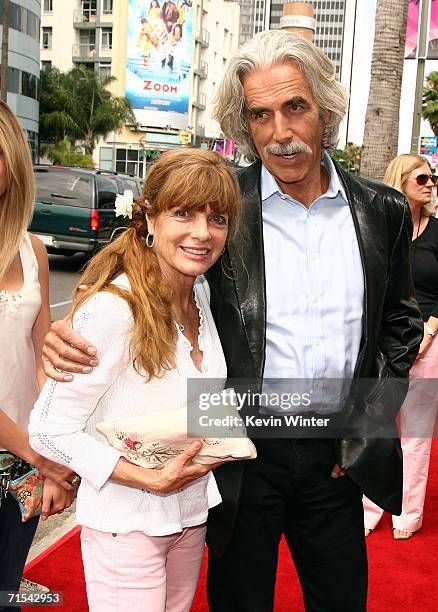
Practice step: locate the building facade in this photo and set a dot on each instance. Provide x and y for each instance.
(24, 64)
(333, 22)
(119, 38)
(254, 18)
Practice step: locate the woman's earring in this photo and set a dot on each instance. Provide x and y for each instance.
(149, 240)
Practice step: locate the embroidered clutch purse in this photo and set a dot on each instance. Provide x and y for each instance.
(154, 438)
(23, 482)
(27, 489)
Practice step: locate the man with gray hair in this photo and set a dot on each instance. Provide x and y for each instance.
(318, 288)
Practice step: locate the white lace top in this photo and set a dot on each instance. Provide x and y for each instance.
(18, 312)
(63, 422)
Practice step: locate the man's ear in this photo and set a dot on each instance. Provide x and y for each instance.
(326, 117)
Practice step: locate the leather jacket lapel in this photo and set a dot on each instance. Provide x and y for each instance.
(247, 261)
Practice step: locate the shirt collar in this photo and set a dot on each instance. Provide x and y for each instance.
(269, 185)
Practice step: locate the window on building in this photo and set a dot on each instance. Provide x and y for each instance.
(22, 83)
(33, 26)
(29, 85)
(47, 37)
(106, 158)
(14, 16)
(46, 64)
(107, 7)
(104, 71)
(32, 138)
(89, 9)
(130, 161)
(22, 20)
(87, 41)
(48, 6)
(13, 80)
(107, 38)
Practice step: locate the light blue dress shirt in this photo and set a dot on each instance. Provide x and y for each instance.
(314, 285)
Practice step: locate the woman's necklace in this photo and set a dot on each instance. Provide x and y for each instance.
(182, 326)
(418, 228)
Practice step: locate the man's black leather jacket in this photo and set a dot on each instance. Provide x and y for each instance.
(392, 332)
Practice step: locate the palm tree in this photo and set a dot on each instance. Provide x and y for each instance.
(382, 117)
(100, 111)
(77, 105)
(430, 101)
(66, 154)
(58, 107)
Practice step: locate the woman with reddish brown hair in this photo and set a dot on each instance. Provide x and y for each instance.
(146, 310)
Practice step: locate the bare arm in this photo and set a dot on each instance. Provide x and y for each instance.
(55, 499)
(16, 441)
(176, 474)
(432, 324)
(42, 322)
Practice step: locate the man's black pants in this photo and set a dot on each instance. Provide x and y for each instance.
(289, 490)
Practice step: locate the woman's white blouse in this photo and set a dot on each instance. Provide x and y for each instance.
(63, 423)
(18, 313)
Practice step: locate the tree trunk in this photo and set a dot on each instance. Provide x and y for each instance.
(4, 56)
(380, 140)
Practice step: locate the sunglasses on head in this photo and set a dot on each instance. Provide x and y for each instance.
(423, 178)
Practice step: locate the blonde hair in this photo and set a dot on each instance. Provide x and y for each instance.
(190, 178)
(399, 170)
(268, 49)
(16, 205)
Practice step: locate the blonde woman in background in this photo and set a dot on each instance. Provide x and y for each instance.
(24, 321)
(412, 175)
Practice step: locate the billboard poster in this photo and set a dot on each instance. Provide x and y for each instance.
(412, 29)
(432, 50)
(159, 54)
(428, 145)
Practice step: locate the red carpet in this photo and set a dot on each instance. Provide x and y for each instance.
(403, 575)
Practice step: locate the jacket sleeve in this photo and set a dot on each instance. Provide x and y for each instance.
(400, 334)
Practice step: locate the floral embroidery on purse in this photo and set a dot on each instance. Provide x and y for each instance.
(27, 489)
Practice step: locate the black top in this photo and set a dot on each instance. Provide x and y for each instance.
(425, 269)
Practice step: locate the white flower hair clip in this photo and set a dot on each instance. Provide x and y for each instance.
(124, 204)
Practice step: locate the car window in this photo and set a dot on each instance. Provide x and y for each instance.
(63, 187)
(107, 189)
(131, 184)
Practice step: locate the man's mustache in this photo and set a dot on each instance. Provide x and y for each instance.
(289, 148)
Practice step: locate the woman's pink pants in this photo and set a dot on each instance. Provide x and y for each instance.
(417, 423)
(134, 572)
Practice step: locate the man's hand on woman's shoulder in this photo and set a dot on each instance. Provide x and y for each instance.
(66, 352)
